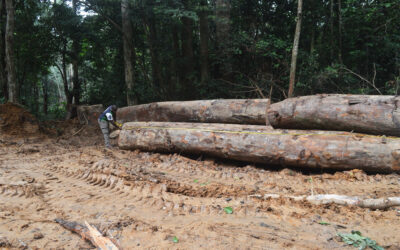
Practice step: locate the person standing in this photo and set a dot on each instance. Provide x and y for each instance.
(108, 116)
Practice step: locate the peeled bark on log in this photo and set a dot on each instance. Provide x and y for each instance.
(359, 113)
(241, 111)
(260, 144)
(380, 203)
(88, 114)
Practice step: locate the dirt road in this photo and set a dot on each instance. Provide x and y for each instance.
(144, 200)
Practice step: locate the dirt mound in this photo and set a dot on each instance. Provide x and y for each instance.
(16, 120)
(72, 132)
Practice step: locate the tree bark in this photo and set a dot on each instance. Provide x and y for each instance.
(204, 43)
(10, 64)
(245, 111)
(129, 53)
(360, 113)
(295, 49)
(259, 144)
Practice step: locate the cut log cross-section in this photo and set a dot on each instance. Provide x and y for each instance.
(260, 144)
(369, 114)
(237, 111)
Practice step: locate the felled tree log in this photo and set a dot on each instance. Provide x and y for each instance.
(379, 203)
(252, 143)
(88, 114)
(237, 111)
(360, 113)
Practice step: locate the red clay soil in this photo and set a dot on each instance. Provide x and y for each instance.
(16, 120)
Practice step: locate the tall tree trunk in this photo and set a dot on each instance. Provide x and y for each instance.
(295, 49)
(188, 56)
(63, 72)
(3, 75)
(331, 30)
(11, 77)
(187, 53)
(204, 43)
(175, 66)
(45, 87)
(35, 105)
(223, 28)
(312, 43)
(76, 88)
(129, 53)
(155, 57)
(340, 31)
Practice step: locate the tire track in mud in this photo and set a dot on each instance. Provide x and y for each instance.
(129, 193)
(171, 191)
(106, 179)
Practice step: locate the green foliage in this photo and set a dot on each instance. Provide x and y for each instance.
(228, 210)
(361, 48)
(357, 240)
(57, 111)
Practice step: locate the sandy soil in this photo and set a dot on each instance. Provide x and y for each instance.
(144, 200)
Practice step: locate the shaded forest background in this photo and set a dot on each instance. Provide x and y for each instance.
(56, 54)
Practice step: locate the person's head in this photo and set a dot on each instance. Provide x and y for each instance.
(114, 108)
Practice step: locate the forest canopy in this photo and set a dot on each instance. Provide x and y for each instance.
(56, 54)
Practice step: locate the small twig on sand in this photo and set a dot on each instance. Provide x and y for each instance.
(89, 233)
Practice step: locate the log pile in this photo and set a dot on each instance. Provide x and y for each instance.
(375, 151)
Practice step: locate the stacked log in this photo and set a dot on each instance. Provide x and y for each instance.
(260, 144)
(233, 111)
(369, 114)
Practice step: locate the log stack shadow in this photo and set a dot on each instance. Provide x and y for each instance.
(317, 132)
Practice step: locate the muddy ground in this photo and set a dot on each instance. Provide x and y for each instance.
(144, 199)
